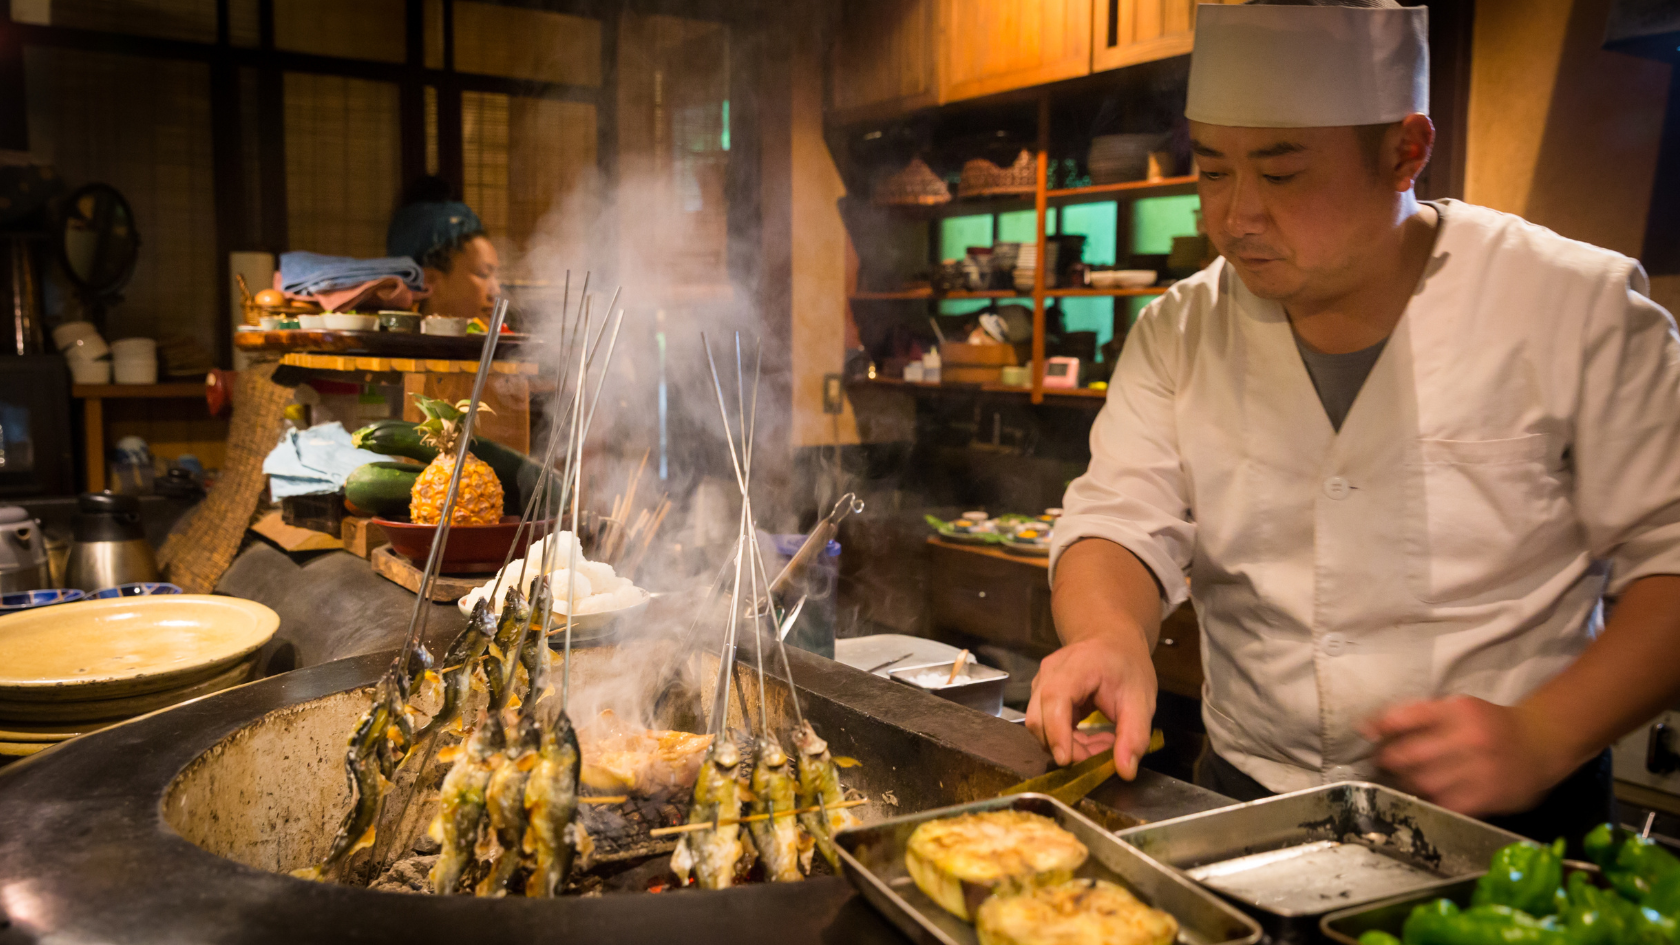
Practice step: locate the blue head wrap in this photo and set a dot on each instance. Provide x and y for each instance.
(419, 228)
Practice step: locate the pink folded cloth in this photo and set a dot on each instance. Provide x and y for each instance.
(389, 292)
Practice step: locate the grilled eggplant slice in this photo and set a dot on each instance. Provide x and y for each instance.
(1077, 912)
(959, 861)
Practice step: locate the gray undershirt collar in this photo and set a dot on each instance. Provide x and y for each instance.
(1338, 377)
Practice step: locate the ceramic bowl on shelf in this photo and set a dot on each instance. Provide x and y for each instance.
(270, 322)
(444, 326)
(312, 322)
(343, 321)
(89, 372)
(408, 322)
(1122, 278)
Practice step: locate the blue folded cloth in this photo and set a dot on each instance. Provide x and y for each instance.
(309, 273)
(314, 461)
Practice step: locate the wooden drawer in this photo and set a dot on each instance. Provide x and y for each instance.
(986, 597)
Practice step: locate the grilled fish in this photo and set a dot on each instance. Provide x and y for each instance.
(461, 803)
(713, 852)
(505, 803)
(368, 760)
(777, 838)
(457, 667)
(553, 839)
(819, 783)
(497, 662)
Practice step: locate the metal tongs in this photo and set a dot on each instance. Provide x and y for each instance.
(816, 541)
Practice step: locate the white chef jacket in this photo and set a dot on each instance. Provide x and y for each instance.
(1514, 452)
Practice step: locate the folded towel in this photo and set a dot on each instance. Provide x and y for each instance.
(376, 294)
(314, 461)
(309, 273)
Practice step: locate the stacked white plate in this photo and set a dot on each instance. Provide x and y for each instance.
(1027, 261)
(1115, 159)
(74, 668)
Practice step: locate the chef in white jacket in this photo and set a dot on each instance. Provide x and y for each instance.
(1396, 453)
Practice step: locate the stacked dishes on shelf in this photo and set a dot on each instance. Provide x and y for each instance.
(75, 668)
(1027, 261)
(1115, 159)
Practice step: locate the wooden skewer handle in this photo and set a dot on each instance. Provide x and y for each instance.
(604, 799)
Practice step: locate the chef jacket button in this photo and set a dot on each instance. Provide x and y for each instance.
(1337, 488)
(1334, 643)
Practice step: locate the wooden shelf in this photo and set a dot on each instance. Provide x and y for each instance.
(191, 389)
(894, 383)
(1165, 187)
(926, 295)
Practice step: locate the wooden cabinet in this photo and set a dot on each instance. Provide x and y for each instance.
(885, 58)
(990, 46)
(1128, 32)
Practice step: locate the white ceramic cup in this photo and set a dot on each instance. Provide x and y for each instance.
(135, 370)
(133, 348)
(89, 372)
(69, 333)
(87, 349)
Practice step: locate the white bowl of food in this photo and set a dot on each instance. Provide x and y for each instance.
(312, 322)
(342, 321)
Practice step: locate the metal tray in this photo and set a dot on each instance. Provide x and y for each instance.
(873, 858)
(979, 687)
(1290, 859)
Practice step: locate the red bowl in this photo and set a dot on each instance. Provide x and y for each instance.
(471, 549)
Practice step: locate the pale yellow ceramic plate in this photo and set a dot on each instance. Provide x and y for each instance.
(20, 749)
(125, 707)
(126, 646)
(13, 731)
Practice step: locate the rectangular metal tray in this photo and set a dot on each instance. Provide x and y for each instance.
(1290, 859)
(981, 687)
(873, 858)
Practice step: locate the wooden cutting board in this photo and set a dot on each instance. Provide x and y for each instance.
(399, 570)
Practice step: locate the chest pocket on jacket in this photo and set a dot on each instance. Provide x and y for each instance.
(1480, 514)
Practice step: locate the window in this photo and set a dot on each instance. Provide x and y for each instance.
(343, 163)
(363, 29)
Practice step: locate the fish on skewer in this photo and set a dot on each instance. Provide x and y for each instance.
(554, 840)
(819, 786)
(776, 837)
(496, 663)
(364, 760)
(461, 803)
(505, 803)
(458, 664)
(711, 854)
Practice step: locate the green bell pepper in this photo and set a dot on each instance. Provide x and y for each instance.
(1378, 937)
(1635, 865)
(1525, 876)
(1442, 923)
(1596, 916)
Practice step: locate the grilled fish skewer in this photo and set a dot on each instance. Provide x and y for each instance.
(461, 805)
(711, 853)
(498, 664)
(777, 837)
(819, 786)
(505, 803)
(553, 838)
(457, 668)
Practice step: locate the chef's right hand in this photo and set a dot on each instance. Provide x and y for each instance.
(1107, 607)
(1107, 673)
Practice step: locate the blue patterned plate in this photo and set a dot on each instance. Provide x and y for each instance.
(138, 589)
(23, 600)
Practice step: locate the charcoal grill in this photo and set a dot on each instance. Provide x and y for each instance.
(176, 827)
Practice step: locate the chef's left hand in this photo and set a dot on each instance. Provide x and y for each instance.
(1465, 754)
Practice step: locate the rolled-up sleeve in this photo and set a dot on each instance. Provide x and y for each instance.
(1627, 435)
(1134, 492)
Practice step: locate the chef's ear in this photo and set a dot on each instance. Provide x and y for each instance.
(1410, 142)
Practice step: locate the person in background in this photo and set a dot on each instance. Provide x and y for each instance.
(446, 238)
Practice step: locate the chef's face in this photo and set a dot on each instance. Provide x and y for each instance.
(470, 287)
(1296, 211)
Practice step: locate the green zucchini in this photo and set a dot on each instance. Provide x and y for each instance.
(382, 488)
(517, 472)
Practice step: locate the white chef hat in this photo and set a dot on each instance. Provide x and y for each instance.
(1305, 66)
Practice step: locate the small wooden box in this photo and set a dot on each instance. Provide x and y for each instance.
(963, 354)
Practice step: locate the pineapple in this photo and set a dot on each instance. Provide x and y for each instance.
(479, 501)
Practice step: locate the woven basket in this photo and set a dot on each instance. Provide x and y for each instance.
(914, 186)
(981, 178)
